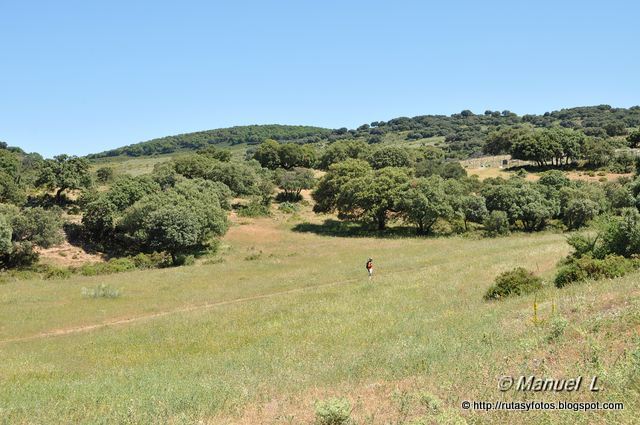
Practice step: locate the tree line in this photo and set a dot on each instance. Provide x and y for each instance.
(464, 134)
(557, 146)
(356, 191)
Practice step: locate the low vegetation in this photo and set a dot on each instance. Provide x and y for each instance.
(518, 281)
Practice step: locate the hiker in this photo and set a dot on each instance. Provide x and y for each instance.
(369, 267)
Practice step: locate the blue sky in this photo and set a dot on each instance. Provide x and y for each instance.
(85, 76)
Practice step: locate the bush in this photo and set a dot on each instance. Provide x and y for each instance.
(288, 197)
(254, 209)
(518, 281)
(115, 265)
(57, 273)
(583, 268)
(185, 260)
(496, 223)
(23, 255)
(558, 325)
(579, 211)
(288, 207)
(150, 261)
(104, 174)
(335, 411)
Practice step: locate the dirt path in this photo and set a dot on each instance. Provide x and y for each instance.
(186, 309)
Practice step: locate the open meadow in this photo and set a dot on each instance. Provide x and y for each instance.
(281, 319)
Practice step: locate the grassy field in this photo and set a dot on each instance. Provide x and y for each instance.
(282, 319)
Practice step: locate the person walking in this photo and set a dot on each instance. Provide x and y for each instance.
(369, 267)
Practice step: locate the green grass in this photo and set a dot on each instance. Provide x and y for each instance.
(322, 330)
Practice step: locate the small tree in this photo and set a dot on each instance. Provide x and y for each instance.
(374, 196)
(496, 223)
(64, 173)
(474, 209)
(579, 211)
(390, 156)
(21, 231)
(176, 229)
(424, 203)
(331, 184)
(5, 235)
(10, 191)
(268, 154)
(293, 182)
(634, 139)
(292, 155)
(38, 226)
(104, 174)
(211, 151)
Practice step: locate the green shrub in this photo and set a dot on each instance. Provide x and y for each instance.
(104, 174)
(583, 268)
(496, 223)
(288, 207)
(101, 291)
(557, 327)
(57, 273)
(115, 265)
(518, 281)
(335, 411)
(254, 209)
(184, 260)
(568, 274)
(150, 261)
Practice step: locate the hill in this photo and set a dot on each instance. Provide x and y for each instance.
(462, 135)
(249, 134)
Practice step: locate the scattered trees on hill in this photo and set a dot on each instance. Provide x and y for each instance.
(464, 133)
(358, 192)
(548, 146)
(250, 134)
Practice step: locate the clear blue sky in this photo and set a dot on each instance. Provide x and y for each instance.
(85, 76)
